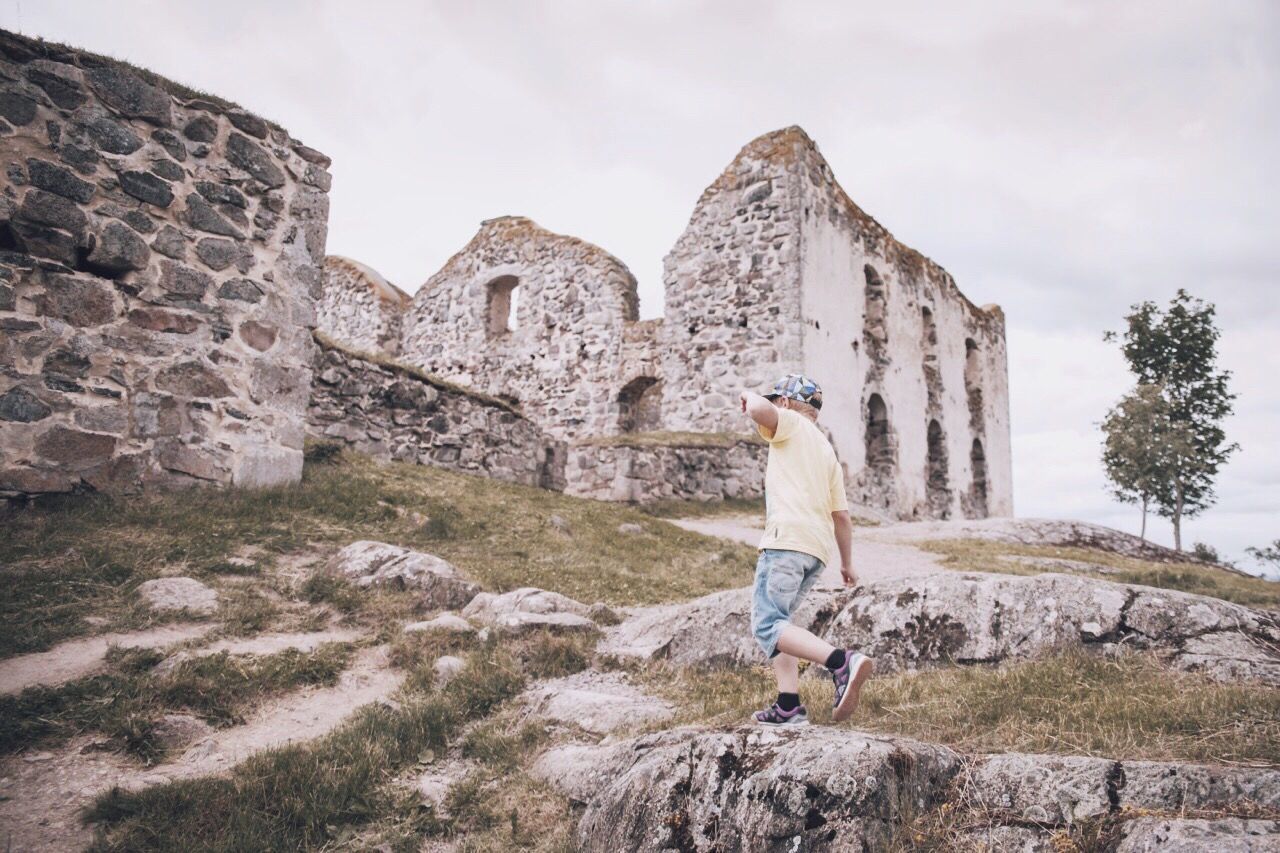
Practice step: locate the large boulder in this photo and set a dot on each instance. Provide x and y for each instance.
(748, 789)
(379, 564)
(598, 702)
(530, 609)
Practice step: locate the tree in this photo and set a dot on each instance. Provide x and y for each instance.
(1267, 554)
(1133, 450)
(1177, 350)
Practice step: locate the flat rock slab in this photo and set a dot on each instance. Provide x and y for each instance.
(488, 606)
(530, 609)
(598, 702)
(1185, 835)
(748, 789)
(170, 594)
(78, 658)
(368, 563)
(449, 623)
(960, 618)
(979, 618)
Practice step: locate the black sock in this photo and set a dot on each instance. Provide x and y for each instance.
(835, 660)
(788, 701)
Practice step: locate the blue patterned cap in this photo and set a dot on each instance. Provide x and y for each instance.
(795, 386)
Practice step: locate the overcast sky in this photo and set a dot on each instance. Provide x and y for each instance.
(1061, 159)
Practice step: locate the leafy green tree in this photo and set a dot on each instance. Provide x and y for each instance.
(1133, 448)
(1176, 349)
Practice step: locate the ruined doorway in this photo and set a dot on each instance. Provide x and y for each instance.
(881, 457)
(640, 405)
(502, 298)
(978, 488)
(937, 491)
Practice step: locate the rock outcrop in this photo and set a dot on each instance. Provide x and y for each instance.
(835, 789)
(905, 623)
(597, 702)
(177, 594)
(530, 609)
(750, 789)
(368, 563)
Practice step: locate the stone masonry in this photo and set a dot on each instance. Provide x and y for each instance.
(778, 271)
(395, 412)
(360, 306)
(159, 261)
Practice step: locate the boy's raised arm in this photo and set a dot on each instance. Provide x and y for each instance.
(760, 410)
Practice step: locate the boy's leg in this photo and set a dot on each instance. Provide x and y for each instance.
(799, 643)
(787, 670)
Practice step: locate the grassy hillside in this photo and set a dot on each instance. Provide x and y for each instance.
(70, 567)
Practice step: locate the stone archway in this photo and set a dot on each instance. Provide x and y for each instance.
(937, 490)
(881, 455)
(978, 487)
(640, 405)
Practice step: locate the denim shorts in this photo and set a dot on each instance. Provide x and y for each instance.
(782, 580)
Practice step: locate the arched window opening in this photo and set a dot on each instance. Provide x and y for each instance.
(503, 296)
(874, 331)
(978, 489)
(880, 454)
(973, 383)
(937, 492)
(929, 364)
(640, 405)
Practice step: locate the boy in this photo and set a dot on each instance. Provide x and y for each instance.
(806, 520)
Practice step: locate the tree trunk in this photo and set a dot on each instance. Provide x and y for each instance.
(1177, 519)
(1143, 534)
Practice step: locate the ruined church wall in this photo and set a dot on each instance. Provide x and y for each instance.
(656, 472)
(393, 413)
(159, 261)
(880, 319)
(359, 307)
(566, 356)
(732, 285)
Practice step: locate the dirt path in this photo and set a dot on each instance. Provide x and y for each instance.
(78, 658)
(263, 644)
(41, 793)
(876, 554)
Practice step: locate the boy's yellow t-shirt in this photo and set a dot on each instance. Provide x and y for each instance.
(803, 485)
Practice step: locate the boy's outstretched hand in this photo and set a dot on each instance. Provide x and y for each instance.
(850, 576)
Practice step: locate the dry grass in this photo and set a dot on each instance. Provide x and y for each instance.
(124, 703)
(983, 556)
(1129, 707)
(346, 791)
(68, 560)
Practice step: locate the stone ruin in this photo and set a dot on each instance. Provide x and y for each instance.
(165, 300)
(160, 261)
(777, 271)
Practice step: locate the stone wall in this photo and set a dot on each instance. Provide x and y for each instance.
(359, 307)
(651, 467)
(778, 272)
(531, 315)
(159, 262)
(396, 412)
